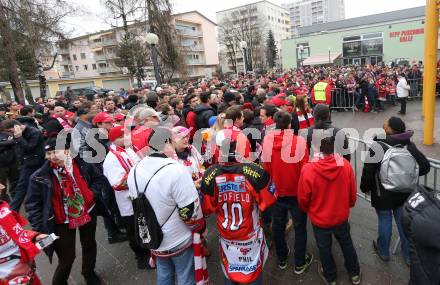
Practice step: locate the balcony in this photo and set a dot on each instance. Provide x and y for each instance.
(109, 42)
(196, 62)
(194, 48)
(108, 69)
(94, 45)
(189, 33)
(104, 57)
(67, 74)
(100, 57)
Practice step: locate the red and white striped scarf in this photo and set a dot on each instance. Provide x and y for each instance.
(201, 271)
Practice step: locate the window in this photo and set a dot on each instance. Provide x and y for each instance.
(85, 66)
(83, 55)
(301, 55)
(94, 66)
(268, 17)
(77, 67)
(74, 57)
(352, 38)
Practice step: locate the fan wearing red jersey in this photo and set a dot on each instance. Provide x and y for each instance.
(238, 192)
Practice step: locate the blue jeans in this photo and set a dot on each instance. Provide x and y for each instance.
(280, 210)
(181, 265)
(324, 242)
(259, 281)
(385, 229)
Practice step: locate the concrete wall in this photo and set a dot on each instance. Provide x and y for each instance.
(392, 46)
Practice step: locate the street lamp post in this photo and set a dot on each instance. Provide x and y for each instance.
(152, 39)
(301, 49)
(243, 45)
(329, 61)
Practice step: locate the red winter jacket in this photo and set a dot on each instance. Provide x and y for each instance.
(327, 191)
(191, 123)
(283, 159)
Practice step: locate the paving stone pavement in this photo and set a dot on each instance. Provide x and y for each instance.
(116, 263)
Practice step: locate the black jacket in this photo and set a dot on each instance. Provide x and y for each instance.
(421, 224)
(389, 200)
(28, 121)
(7, 150)
(203, 113)
(30, 148)
(38, 203)
(255, 124)
(337, 133)
(52, 127)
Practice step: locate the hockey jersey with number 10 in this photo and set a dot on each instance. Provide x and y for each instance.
(235, 191)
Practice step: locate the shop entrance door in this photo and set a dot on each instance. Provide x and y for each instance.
(356, 61)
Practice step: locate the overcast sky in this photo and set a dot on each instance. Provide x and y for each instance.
(92, 17)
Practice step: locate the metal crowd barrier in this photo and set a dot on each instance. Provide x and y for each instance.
(429, 180)
(342, 100)
(416, 86)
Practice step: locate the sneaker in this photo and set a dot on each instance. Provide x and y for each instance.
(376, 250)
(321, 274)
(283, 263)
(117, 237)
(355, 280)
(301, 269)
(92, 279)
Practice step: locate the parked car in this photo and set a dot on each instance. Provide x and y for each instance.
(86, 91)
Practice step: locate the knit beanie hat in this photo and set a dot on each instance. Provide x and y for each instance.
(397, 124)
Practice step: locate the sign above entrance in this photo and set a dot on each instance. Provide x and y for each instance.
(406, 35)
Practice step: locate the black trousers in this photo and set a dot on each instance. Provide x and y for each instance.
(139, 252)
(324, 242)
(65, 250)
(403, 105)
(9, 178)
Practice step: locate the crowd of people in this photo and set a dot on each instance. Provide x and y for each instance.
(155, 163)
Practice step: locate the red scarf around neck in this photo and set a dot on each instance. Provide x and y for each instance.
(12, 223)
(72, 199)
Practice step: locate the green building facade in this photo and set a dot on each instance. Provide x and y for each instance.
(364, 40)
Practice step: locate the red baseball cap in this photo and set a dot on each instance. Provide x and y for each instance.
(119, 117)
(115, 132)
(102, 118)
(279, 101)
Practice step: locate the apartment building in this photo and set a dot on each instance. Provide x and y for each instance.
(264, 14)
(310, 12)
(94, 54)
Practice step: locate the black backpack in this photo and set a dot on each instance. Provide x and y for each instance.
(147, 229)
